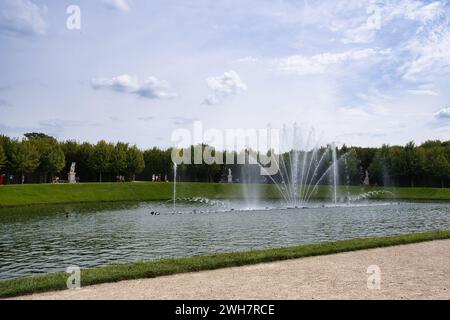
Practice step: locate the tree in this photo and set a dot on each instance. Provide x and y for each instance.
(135, 162)
(439, 167)
(119, 158)
(411, 162)
(352, 167)
(100, 159)
(51, 156)
(37, 135)
(431, 144)
(2, 158)
(6, 144)
(25, 158)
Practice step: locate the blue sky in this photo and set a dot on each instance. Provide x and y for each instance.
(359, 71)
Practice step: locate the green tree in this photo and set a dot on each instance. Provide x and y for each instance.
(37, 135)
(438, 166)
(100, 159)
(119, 158)
(51, 156)
(6, 144)
(2, 158)
(352, 167)
(135, 162)
(25, 158)
(431, 144)
(411, 162)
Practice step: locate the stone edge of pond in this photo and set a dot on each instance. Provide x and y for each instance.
(141, 270)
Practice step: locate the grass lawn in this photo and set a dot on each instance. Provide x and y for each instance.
(114, 273)
(22, 195)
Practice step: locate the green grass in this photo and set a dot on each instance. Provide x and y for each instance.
(23, 195)
(114, 273)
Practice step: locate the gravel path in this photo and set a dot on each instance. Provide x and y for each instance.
(417, 271)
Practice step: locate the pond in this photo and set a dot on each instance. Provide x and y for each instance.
(43, 239)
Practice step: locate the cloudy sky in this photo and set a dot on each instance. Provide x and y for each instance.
(359, 71)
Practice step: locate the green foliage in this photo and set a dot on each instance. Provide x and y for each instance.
(438, 165)
(24, 158)
(411, 165)
(119, 158)
(37, 135)
(352, 167)
(51, 156)
(2, 158)
(135, 162)
(101, 157)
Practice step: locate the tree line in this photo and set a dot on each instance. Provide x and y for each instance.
(38, 158)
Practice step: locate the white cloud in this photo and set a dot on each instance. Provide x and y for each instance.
(123, 5)
(361, 29)
(414, 10)
(318, 64)
(430, 53)
(362, 34)
(122, 83)
(228, 84)
(443, 114)
(22, 17)
(151, 88)
(423, 92)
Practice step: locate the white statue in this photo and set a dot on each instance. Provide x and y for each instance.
(230, 176)
(367, 180)
(72, 174)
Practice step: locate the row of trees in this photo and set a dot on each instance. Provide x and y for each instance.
(426, 165)
(37, 158)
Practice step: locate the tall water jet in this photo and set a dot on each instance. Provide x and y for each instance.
(335, 171)
(303, 167)
(174, 187)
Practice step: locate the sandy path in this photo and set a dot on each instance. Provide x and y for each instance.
(417, 271)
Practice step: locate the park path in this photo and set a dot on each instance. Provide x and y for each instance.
(416, 271)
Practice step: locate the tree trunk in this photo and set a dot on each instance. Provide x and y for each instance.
(442, 183)
(100, 177)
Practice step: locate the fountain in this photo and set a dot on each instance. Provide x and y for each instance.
(174, 187)
(303, 166)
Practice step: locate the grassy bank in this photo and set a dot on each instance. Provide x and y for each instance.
(114, 273)
(20, 195)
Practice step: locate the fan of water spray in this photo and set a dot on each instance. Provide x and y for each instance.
(304, 165)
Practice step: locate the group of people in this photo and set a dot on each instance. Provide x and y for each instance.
(57, 180)
(158, 178)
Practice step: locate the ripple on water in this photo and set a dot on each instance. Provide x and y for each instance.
(50, 242)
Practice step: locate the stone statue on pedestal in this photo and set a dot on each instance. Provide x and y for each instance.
(367, 180)
(230, 176)
(72, 174)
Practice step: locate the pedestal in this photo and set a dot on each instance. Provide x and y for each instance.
(72, 177)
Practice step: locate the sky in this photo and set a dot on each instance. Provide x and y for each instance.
(359, 72)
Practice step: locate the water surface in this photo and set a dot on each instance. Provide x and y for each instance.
(45, 239)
